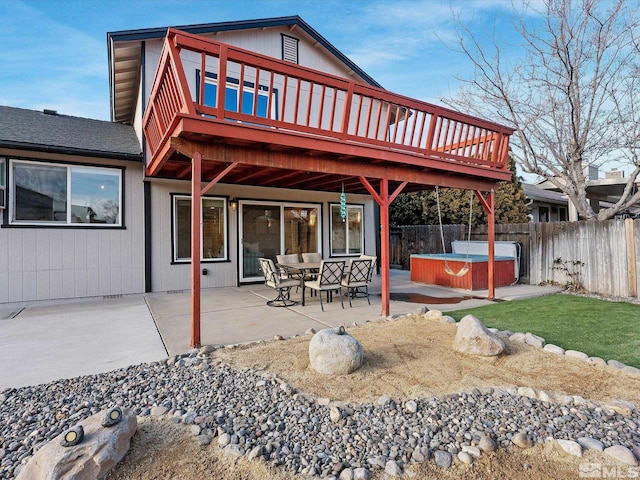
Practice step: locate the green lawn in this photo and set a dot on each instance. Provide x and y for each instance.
(599, 328)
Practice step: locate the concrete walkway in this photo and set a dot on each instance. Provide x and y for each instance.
(41, 342)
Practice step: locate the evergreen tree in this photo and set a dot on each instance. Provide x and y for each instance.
(420, 208)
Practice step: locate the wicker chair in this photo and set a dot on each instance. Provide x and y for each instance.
(273, 279)
(357, 280)
(329, 280)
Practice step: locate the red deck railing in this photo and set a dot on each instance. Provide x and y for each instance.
(263, 91)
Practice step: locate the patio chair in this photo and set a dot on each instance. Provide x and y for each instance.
(357, 280)
(292, 258)
(283, 260)
(374, 262)
(311, 257)
(329, 280)
(273, 279)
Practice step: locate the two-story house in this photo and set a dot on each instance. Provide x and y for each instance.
(256, 138)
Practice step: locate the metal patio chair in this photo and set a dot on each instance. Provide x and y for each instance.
(273, 279)
(357, 280)
(329, 280)
(311, 257)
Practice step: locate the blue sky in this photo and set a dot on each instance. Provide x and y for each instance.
(53, 53)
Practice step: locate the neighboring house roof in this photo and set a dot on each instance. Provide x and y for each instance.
(51, 132)
(128, 62)
(535, 193)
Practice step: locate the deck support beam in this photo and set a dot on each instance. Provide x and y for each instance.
(196, 223)
(196, 207)
(489, 206)
(383, 199)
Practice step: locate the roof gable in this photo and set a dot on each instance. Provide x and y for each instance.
(127, 58)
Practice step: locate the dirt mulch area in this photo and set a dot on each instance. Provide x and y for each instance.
(406, 358)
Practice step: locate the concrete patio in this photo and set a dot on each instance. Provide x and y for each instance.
(47, 341)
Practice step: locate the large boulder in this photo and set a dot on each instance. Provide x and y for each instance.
(473, 338)
(334, 352)
(100, 450)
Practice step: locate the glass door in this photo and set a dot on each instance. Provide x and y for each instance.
(269, 229)
(260, 237)
(300, 230)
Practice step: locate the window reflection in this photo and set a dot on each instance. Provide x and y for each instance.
(214, 232)
(65, 194)
(40, 192)
(94, 196)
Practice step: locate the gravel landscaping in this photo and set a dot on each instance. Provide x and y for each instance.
(253, 413)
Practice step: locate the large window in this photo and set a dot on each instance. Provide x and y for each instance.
(213, 230)
(347, 233)
(55, 194)
(232, 96)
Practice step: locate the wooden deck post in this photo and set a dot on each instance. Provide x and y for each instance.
(384, 245)
(196, 206)
(491, 221)
(384, 200)
(489, 206)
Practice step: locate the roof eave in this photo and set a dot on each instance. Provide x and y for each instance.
(36, 147)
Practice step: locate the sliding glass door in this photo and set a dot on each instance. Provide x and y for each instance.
(269, 229)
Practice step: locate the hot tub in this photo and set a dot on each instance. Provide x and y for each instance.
(430, 268)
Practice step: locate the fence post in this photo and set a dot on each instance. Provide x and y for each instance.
(631, 257)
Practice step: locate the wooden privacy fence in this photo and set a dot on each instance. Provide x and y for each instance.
(603, 256)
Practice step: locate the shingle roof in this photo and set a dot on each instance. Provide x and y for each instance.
(36, 130)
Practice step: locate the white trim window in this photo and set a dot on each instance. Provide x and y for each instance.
(3, 181)
(213, 229)
(58, 194)
(347, 234)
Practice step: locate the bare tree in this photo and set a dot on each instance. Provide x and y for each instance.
(574, 96)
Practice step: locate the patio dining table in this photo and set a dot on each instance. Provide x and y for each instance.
(302, 269)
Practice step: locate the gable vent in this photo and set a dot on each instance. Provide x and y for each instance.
(289, 48)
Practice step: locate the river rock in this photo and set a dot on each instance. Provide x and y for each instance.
(101, 449)
(442, 458)
(622, 407)
(433, 315)
(534, 340)
(334, 352)
(615, 364)
(591, 443)
(473, 338)
(550, 347)
(392, 468)
(571, 447)
(521, 440)
(360, 473)
(487, 444)
(622, 454)
(576, 354)
(465, 458)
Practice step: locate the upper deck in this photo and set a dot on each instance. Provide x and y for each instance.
(319, 131)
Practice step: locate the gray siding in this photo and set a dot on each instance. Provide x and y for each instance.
(167, 276)
(51, 263)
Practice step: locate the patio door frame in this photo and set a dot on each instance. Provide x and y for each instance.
(281, 205)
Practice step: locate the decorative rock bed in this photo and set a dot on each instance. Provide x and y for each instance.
(263, 417)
